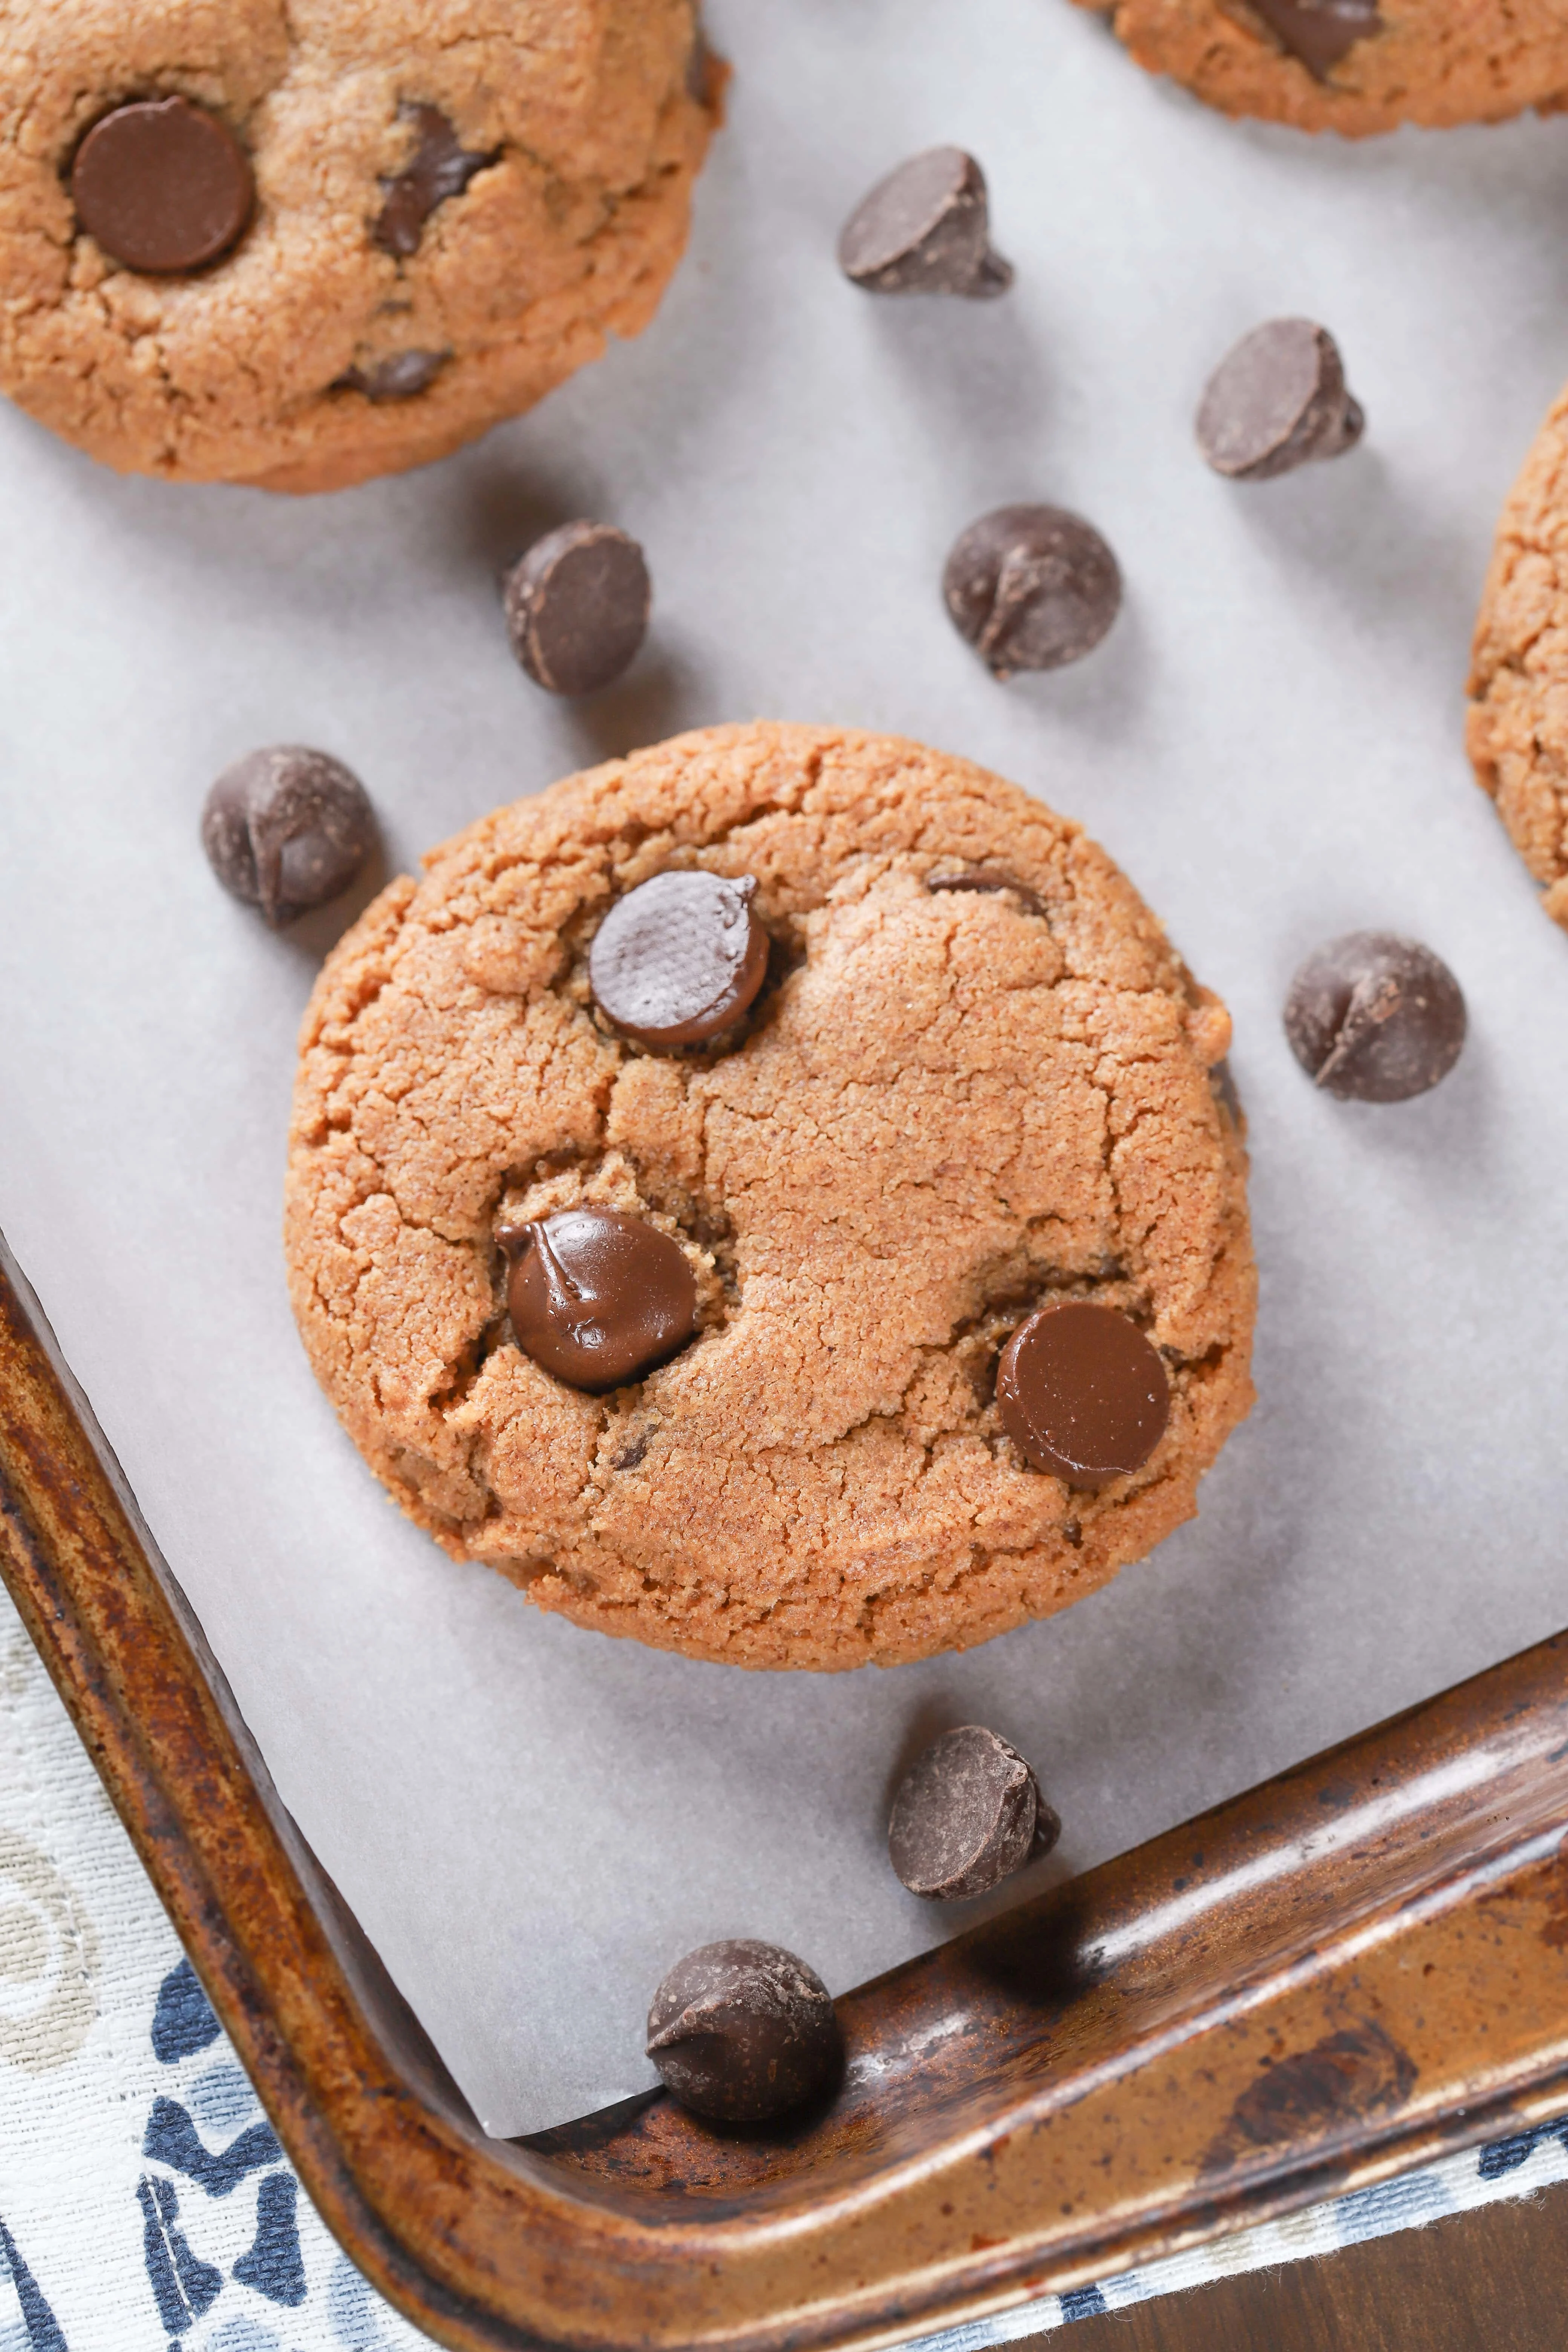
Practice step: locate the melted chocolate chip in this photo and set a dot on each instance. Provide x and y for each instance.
(286, 829)
(1320, 32)
(163, 185)
(1031, 588)
(577, 606)
(1277, 401)
(968, 1813)
(678, 960)
(1373, 1017)
(599, 1299)
(401, 377)
(989, 879)
(1082, 1393)
(924, 229)
(743, 2031)
(439, 167)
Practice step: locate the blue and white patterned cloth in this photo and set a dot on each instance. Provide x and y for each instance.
(145, 2205)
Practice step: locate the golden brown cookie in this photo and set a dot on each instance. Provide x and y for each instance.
(421, 217)
(1356, 65)
(977, 1080)
(1517, 725)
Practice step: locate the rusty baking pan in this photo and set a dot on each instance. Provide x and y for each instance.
(1351, 1968)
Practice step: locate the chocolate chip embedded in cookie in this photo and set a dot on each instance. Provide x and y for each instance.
(1354, 66)
(974, 1110)
(679, 960)
(406, 228)
(597, 1298)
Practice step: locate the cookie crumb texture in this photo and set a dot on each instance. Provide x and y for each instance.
(254, 369)
(945, 1109)
(1517, 725)
(1431, 61)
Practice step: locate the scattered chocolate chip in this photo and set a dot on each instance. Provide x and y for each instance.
(286, 829)
(1376, 1018)
(1082, 1393)
(1276, 402)
(968, 1813)
(1031, 588)
(1320, 32)
(577, 606)
(163, 185)
(678, 960)
(401, 377)
(989, 879)
(439, 167)
(925, 230)
(599, 1299)
(742, 2031)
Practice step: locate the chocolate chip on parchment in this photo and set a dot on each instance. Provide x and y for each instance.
(1374, 1017)
(989, 880)
(678, 960)
(1320, 32)
(1082, 1393)
(439, 167)
(577, 606)
(402, 377)
(162, 185)
(596, 1297)
(1277, 401)
(968, 1813)
(742, 2031)
(286, 829)
(1031, 588)
(924, 229)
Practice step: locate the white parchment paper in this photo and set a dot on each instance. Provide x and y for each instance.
(533, 1821)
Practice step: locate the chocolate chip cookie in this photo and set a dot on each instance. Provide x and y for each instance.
(297, 244)
(1517, 724)
(1356, 65)
(662, 1246)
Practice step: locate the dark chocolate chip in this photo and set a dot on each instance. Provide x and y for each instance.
(286, 829)
(742, 2031)
(1082, 1393)
(439, 167)
(924, 230)
(1031, 588)
(1276, 402)
(401, 377)
(678, 960)
(599, 1299)
(989, 879)
(968, 1813)
(1320, 32)
(577, 606)
(1376, 1018)
(163, 185)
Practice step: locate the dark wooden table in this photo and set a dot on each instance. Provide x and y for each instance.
(1491, 2281)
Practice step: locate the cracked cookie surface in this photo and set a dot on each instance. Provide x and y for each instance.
(457, 201)
(1517, 723)
(1378, 62)
(948, 1105)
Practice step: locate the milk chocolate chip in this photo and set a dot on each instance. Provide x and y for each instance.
(678, 961)
(599, 1299)
(576, 606)
(163, 185)
(1082, 1393)
(1277, 401)
(1320, 32)
(1373, 1017)
(403, 376)
(286, 829)
(439, 167)
(924, 230)
(1031, 588)
(968, 1813)
(743, 2031)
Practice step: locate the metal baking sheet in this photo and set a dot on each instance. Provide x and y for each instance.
(532, 1822)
